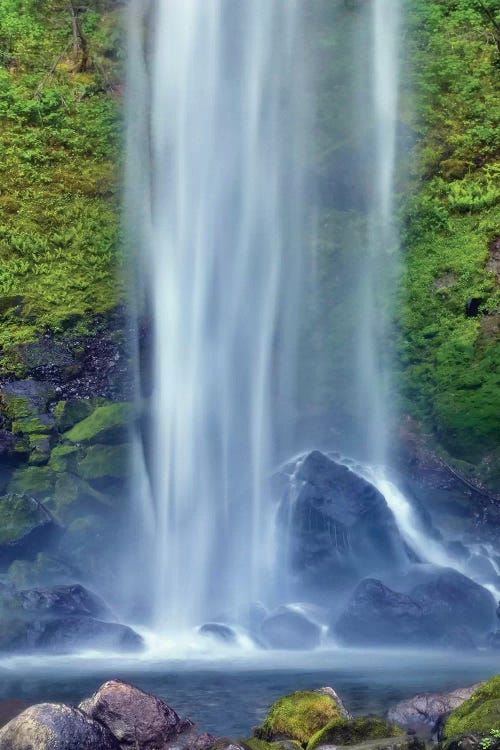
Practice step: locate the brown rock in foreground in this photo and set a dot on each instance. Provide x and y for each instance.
(137, 720)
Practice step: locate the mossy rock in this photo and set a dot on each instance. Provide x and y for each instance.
(25, 398)
(353, 732)
(63, 458)
(69, 413)
(73, 497)
(102, 461)
(299, 716)
(37, 481)
(253, 743)
(481, 713)
(107, 424)
(19, 515)
(40, 449)
(44, 570)
(32, 425)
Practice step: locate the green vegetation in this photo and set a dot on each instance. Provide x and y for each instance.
(451, 362)
(19, 515)
(481, 713)
(298, 716)
(104, 425)
(352, 732)
(59, 138)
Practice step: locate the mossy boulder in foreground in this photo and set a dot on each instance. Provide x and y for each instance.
(353, 732)
(481, 713)
(301, 715)
(107, 424)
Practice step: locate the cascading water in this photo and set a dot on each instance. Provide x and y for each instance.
(215, 195)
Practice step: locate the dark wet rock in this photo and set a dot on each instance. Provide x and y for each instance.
(70, 634)
(138, 720)
(288, 629)
(446, 609)
(377, 615)
(24, 398)
(27, 528)
(55, 727)
(11, 708)
(426, 709)
(452, 600)
(218, 631)
(341, 528)
(73, 599)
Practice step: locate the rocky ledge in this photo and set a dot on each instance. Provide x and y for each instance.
(122, 717)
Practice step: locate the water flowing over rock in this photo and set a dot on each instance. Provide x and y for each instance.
(138, 720)
(339, 526)
(55, 727)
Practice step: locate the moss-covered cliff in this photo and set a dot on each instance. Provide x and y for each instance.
(451, 362)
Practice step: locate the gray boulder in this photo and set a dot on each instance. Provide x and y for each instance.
(53, 726)
(426, 709)
(289, 629)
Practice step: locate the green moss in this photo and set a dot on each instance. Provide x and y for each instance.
(36, 481)
(481, 713)
(29, 426)
(299, 716)
(16, 407)
(102, 461)
(73, 498)
(106, 423)
(19, 514)
(63, 458)
(352, 732)
(253, 743)
(68, 413)
(40, 449)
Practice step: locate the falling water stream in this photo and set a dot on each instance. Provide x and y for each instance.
(216, 141)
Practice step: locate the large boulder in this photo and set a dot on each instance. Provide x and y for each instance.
(445, 610)
(59, 620)
(376, 615)
(287, 628)
(339, 527)
(138, 720)
(219, 632)
(300, 715)
(56, 727)
(452, 600)
(426, 709)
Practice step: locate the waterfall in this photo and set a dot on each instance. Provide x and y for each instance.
(216, 135)
(381, 265)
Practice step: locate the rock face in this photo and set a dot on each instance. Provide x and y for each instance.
(55, 727)
(138, 720)
(289, 629)
(341, 528)
(447, 602)
(426, 709)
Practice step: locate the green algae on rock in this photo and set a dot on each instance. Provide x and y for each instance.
(299, 716)
(106, 424)
(481, 713)
(353, 732)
